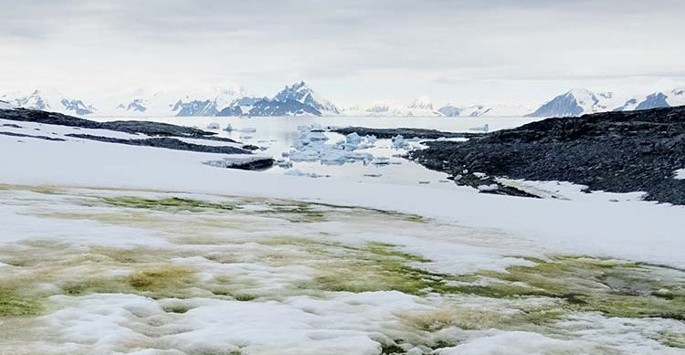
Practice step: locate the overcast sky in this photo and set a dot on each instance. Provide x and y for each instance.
(351, 51)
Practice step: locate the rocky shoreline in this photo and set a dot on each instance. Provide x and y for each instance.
(147, 134)
(387, 133)
(614, 152)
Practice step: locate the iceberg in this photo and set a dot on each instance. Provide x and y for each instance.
(295, 172)
(312, 145)
(398, 142)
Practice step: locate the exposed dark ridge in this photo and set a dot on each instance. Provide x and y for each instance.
(613, 151)
(12, 134)
(165, 142)
(420, 133)
(133, 127)
(11, 125)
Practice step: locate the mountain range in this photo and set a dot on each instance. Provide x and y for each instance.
(295, 100)
(49, 101)
(300, 99)
(578, 102)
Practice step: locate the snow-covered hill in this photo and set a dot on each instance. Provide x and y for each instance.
(4, 105)
(576, 102)
(421, 107)
(178, 102)
(295, 100)
(671, 98)
(424, 107)
(581, 101)
(303, 94)
(300, 99)
(489, 110)
(49, 100)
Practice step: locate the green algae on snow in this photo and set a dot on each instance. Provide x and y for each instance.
(16, 304)
(158, 281)
(582, 284)
(293, 211)
(671, 339)
(375, 267)
(614, 288)
(171, 203)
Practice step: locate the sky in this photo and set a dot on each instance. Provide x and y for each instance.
(350, 51)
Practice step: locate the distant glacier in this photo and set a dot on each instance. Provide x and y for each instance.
(299, 99)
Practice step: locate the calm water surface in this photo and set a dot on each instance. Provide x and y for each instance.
(277, 135)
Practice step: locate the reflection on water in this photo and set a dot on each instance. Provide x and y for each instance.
(278, 135)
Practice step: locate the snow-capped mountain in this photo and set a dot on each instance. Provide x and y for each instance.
(49, 100)
(580, 102)
(300, 99)
(494, 110)
(421, 107)
(422, 103)
(303, 94)
(205, 102)
(450, 111)
(675, 97)
(295, 100)
(576, 102)
(467, 111)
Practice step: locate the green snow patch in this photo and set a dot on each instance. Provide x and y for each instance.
(614, 288)
(671, 339)
(247, 250)
(293, 211)
(16, 304)
(167, 204)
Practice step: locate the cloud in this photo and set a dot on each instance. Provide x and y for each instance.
(264, 43)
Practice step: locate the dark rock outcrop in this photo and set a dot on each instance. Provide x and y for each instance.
(21, 135)
(152, 134)
(385, 133)
(135, 127)
(614, 151)
(164, 142)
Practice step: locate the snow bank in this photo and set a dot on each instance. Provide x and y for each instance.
(4, 105)
(633, 230)
(518, 343)
(680, 174)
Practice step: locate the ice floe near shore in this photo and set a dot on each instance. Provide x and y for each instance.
(313, 146)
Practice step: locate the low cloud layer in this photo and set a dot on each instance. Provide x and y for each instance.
(350, 50)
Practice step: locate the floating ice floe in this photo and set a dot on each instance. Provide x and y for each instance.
(312, 145)
(380, 161)
(354, 141)
(213, 126)
(484, 128)
(246, 130)
(284, 163)
(488, 188)
(398, 142)
(228, 128)
(295, 172)
(242, 161)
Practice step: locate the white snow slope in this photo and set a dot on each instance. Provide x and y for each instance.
(245, 275)
(633, 230)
